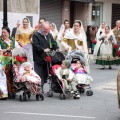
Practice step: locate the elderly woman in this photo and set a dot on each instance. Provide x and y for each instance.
(75, 39)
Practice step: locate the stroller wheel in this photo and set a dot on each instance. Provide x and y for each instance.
(49, 94)
(21, 98)
(24, 96)
(89, 93)
(37, 97)
(41, 97)
(62, 97)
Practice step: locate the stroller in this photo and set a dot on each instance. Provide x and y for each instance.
(83, 80)
(26, 87)
(55, 85)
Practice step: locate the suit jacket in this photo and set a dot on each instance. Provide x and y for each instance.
(14, 32)
(40, 43)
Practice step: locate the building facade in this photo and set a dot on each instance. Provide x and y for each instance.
(19, 9)
(90, 12)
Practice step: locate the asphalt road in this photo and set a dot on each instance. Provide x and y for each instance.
(101, 106)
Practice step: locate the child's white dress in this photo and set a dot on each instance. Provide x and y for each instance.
(81, 77)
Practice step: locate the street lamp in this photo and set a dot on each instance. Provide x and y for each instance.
(5, 23)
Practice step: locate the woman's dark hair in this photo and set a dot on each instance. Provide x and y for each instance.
(7, 29)
(78, 21)
(93, 27)
(88, 27)
(66, 21)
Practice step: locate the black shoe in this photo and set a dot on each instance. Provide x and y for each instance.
(110, 67)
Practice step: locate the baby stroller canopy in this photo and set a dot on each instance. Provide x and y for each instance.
(76, 55)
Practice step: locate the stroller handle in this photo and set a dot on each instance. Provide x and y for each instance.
(51, 53)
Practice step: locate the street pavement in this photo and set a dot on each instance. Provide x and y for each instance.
(103, 105)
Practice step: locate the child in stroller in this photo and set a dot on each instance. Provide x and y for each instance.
(82, 78)
(66, 76)
(55, 84)
(24, 78)
(27, 81)
(80, 66)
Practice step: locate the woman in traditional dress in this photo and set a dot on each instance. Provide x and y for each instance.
(23, 36)
(99, 32)
(7, 43)
(75, 39)
(3, 79)
(107, 55)
(53, 30)
(64, 27)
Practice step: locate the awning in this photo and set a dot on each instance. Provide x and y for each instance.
(87, 1)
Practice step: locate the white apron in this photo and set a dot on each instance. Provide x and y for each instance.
(3, 84)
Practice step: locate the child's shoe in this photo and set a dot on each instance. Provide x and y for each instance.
(77, 95)
(72, 92)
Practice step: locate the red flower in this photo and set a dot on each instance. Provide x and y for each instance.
(118, 53)
(94, 41)
(48, 58)
(24, 59)
(115, 46)
(20, 59)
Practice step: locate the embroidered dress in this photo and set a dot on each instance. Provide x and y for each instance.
(106, 54)
(8, 44)
(11, 43)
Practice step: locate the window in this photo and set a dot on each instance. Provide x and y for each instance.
(97, 14)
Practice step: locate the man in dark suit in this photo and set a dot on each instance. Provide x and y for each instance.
(15, 28)
(43, 42)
